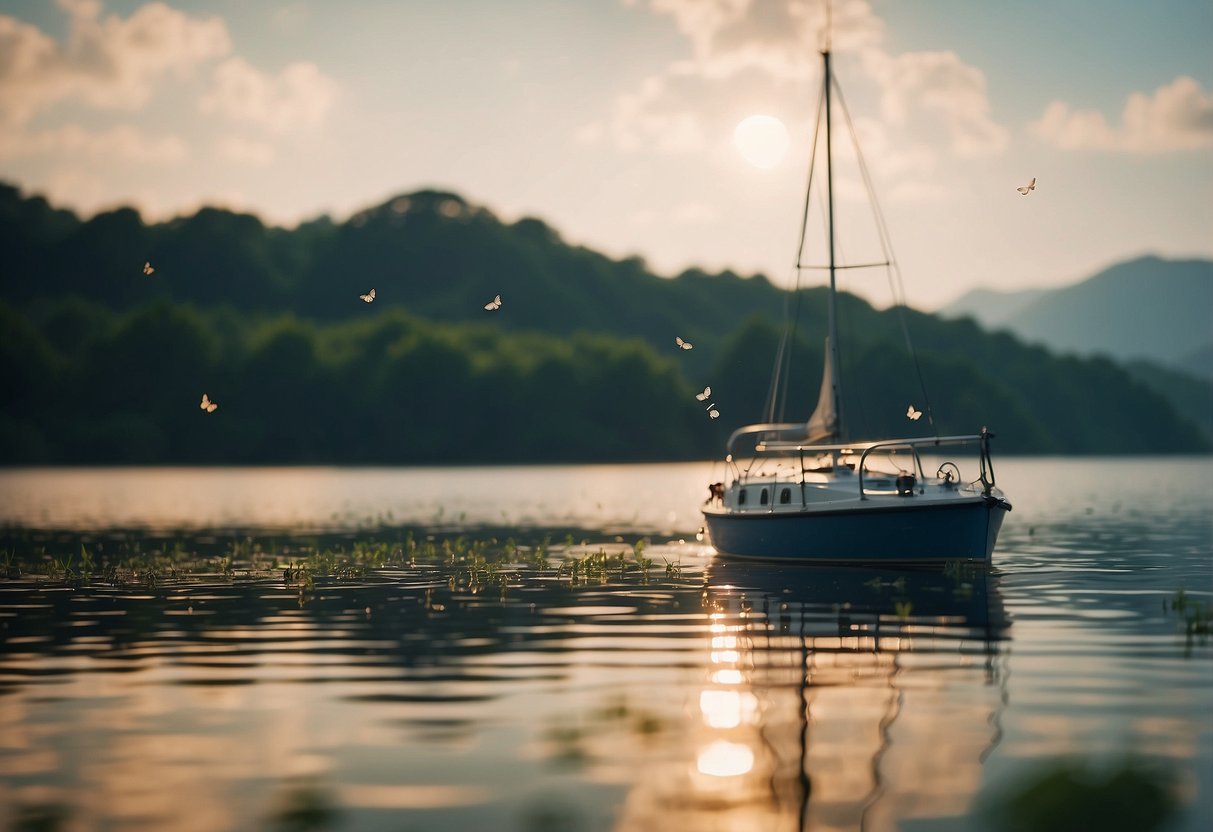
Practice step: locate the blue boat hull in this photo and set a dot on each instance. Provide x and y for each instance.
(902, 532)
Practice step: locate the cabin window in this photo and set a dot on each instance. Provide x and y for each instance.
(762, 497)
(785, 496)
(741, 497)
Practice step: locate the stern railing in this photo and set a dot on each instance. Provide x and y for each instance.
(772, 443)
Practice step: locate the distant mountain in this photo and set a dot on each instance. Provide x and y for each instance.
(1148, 308)
(991, 307)
(1198, 363)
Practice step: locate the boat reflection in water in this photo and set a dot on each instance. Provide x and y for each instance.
(836, 698)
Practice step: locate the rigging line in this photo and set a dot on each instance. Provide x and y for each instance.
(772, 394)
(857, 403)
(788, 342)
(777, 370)
(776, 400)
(856, 266)
(808, 191)
(804, 229)
(886, 242)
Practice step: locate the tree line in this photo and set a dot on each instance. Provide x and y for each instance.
(103, 363)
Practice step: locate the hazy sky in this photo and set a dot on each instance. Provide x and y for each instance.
(613, 120)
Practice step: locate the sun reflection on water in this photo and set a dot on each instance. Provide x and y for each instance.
(725, 759)
(728, 708)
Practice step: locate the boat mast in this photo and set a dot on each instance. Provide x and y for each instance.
(832, 344)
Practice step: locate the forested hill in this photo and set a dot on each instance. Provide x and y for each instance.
(430, 252)
(101, 362)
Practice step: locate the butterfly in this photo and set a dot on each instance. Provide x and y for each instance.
(703, 397)
(147, 268)
(1031, 186)
(208, 405)
(368, 297)
(713, 412)
(495, 303)
(913, 414)
(686, 345)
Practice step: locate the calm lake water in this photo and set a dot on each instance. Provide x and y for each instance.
(567, 690)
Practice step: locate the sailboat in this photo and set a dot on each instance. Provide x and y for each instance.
(808, 491)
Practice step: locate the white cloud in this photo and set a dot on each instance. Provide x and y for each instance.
(646, 119)
(25, 54)
(779, 38)
(115, 63)
(300, 95)
(1177, 117)
(762, 52)
(87, 108)
(678, 113)
(110, 63)
(88, 9)
(122, 142)
(941, 84)
(892, 158)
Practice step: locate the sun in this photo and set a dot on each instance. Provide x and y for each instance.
(761, 140)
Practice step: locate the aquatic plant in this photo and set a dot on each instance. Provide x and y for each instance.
(1065, 795)
(539, 555)
(61, 567)
(86, 563)
(1196, 615)
(40, 817)
(468, 563)
(307, 806)
(8, 564)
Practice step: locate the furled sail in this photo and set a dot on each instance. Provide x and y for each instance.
(823, 424)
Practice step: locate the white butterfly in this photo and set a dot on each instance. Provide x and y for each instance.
(208, 405)
(368, 297)
(686, 345)
(703, 397)
(495, 303)
(913, 414)
(1031, 186)
(147, 268)
(713, 412)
